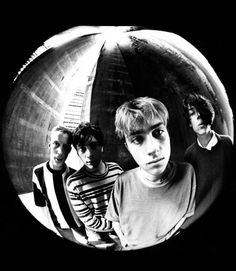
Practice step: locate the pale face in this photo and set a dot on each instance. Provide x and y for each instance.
(196, 122)
(59, 150)
(91, 154)
(150, 148)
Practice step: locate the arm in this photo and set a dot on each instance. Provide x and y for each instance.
(84, 213)
(116, 226)
(39, 208)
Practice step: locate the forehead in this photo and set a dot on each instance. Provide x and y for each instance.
(59, 136)
(146, 126)
(90, 139)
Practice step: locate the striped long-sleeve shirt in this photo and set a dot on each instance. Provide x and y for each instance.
(90, 194)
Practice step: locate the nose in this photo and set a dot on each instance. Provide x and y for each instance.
(152, 145)
(60, 150)
(88, 151)
(198, 118)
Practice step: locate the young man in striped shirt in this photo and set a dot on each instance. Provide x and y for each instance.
(90, 187)
(49, 191)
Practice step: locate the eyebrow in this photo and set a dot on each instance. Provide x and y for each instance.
(142, 131)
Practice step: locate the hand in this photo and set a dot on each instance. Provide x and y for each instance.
(123, 242)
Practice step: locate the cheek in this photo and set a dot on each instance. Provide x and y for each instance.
(52, 151)
(81, 156)
(195, 120)
(166, 147)
(136, 153)
(168, 151)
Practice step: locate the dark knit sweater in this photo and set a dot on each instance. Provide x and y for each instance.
(212, 169)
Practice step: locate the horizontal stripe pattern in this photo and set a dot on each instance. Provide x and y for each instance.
(90, 194)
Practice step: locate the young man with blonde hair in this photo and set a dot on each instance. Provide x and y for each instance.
(149, 203)
(49, 189)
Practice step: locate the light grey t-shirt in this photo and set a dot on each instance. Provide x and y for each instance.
(150, 215)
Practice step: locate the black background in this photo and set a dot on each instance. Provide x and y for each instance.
(212, 237)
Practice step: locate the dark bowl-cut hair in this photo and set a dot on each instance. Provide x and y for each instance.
(202, 105)
(82, 134)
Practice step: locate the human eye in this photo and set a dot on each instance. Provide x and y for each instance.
(193, 112)
(81, 149)
(56, 144)
(157, 133)
(137, 140)
(93, 145)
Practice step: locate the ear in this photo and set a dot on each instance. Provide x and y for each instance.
(49, 146)
(102, 149)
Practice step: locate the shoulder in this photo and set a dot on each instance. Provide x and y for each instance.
(40, 165)
(191, 152)
(126, 180)
(113, 166)
(128, 175)
(184, 167)
(75, 177)
(69, 172)
(225, 139)
(184, 173)
(191, 147)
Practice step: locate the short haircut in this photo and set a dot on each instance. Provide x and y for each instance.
(202, 105)
(82, 134)
(64, 130)
(138, 112)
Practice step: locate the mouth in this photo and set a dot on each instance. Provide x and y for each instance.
(201, 125)
(58, 159)
(155, 161)
(90, 162)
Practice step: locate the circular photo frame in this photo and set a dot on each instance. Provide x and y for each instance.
(82, 76)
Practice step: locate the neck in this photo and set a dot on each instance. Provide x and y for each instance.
(205, 138)
(149, 177)
(55, 168)
(101, 169)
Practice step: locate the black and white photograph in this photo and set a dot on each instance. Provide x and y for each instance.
(118, 140)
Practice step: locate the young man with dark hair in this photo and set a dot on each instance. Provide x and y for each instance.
(210, 154)
(90, 187)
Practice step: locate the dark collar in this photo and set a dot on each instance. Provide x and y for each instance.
(53, 171)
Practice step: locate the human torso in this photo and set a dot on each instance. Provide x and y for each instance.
(150, 215)
(94, 190)
(211, 167)
(52, 186)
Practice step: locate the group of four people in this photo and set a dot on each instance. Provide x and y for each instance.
(103, 206)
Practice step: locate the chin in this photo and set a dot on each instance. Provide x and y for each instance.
(90, 167)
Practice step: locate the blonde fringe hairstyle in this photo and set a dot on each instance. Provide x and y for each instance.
(138, 112)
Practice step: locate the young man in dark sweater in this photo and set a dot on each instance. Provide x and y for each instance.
(210, 154)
